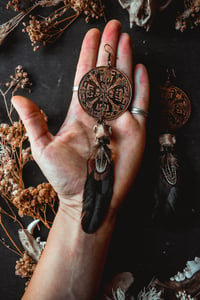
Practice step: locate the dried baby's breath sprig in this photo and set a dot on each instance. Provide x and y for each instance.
(182, 295)
(20, 5)
(11, 24)
(190, 17)
(16, 249)
(44, 30)
(92, 9)
(150, 294)
(14, 155)
(15, 152)
(33, 202)
(25, 266)
(24, 9)
(19, 80)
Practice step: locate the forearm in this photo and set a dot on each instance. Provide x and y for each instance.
(72, 262)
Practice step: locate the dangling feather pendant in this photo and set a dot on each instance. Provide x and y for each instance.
(167, 188)
(98, 188)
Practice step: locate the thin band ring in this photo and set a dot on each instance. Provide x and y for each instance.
(75, 88)
(139, 111)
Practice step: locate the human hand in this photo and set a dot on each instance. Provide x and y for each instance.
(63, 157)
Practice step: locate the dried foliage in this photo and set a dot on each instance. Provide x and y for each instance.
(190, 17)
(43, 30)
(15, 153)
(25, 266)
(33, 201)
(19, 5)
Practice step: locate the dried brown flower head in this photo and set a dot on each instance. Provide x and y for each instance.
(19, 5)
(43, 30)
(32, 201)
(15, 152)
(190, 17)
(25, 266)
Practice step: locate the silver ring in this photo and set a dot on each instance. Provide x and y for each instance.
(139, 111)
(75, 88)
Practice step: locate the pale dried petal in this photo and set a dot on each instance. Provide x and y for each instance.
(31, 246)
(141, 12)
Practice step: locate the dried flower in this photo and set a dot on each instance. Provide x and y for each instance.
(119, 294)
(25, 266)
(32, 201)
(43, 30)
(11, 24)
(19, 5)
(150, 294)
(182, 295)
(190, 17)
(15, 152)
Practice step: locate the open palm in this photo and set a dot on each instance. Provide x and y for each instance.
(63, 157)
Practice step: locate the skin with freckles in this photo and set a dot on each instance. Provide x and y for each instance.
(71, 257)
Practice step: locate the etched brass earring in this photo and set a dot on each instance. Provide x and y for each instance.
(104, 93)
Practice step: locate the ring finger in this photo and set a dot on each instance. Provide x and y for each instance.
(141, 97)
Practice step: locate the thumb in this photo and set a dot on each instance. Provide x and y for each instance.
(34, 122)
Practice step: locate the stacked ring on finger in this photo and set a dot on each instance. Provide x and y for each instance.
(139, 111)
(75, 88)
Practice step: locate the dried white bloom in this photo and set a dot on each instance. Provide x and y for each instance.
(119, 294)
(150, 294)
(142, 12)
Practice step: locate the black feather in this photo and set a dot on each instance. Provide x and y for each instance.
(98, 191)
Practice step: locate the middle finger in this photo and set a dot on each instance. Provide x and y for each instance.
(110, 36)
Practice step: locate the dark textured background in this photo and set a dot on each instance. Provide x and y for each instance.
(138, 246)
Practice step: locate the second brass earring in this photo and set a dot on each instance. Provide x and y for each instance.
(175, 112)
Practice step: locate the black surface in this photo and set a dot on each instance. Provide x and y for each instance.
(138, 245)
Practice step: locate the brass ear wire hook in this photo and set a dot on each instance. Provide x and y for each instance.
(109, 53)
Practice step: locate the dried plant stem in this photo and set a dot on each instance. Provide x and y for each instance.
(43, 30)
(8, 247)
(61, 31)
(45, 222)
(6, 105)
(14, 218)
(7, 200)
(20, 164)
(9, 237)
(10, 25)
(52, 209)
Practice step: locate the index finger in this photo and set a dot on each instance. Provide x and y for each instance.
(87, 61)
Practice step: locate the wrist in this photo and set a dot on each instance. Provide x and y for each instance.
(70, 210)
(76, 258)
